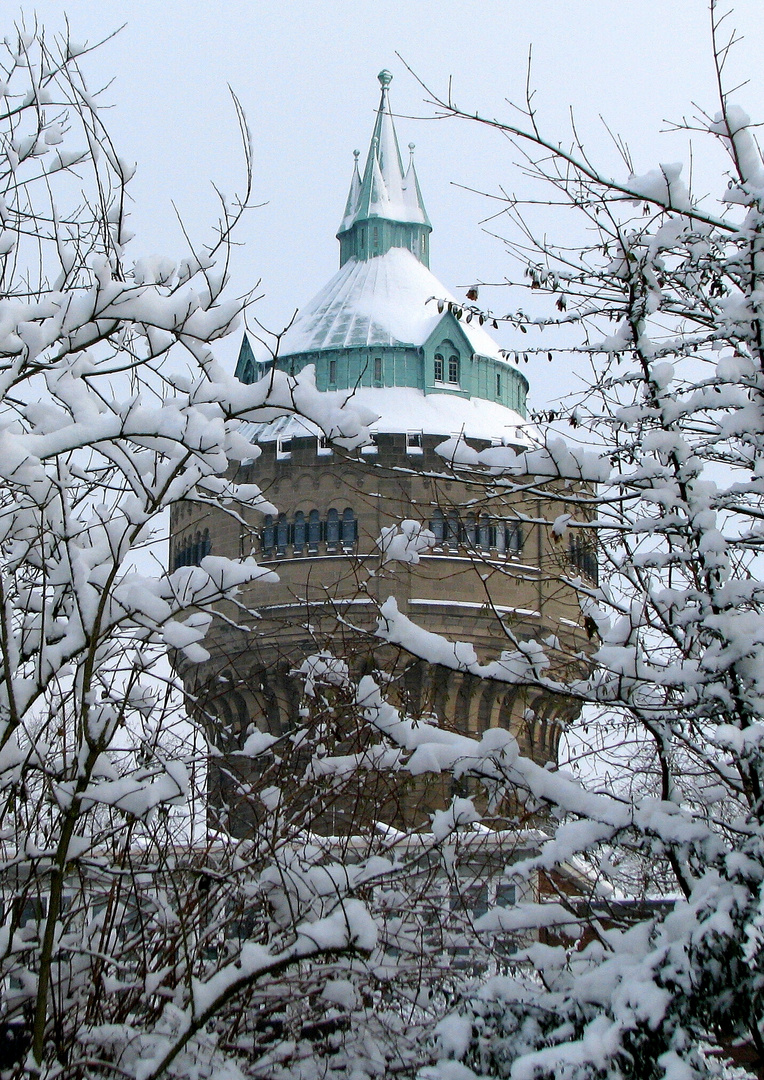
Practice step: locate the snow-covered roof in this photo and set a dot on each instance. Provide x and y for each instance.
(404, 409)
(379, 301)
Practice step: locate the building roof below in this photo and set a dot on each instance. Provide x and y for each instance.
(406, 409)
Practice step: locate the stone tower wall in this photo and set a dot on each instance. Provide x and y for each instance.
(330, 592)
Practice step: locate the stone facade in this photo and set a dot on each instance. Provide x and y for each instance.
(475, 585)
(494, 576)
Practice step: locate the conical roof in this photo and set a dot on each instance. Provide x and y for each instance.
(390, 300)
(385, 191)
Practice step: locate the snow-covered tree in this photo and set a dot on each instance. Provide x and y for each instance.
(123, 933)
(663, 805)
(135, 943)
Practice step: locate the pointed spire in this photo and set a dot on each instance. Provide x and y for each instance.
(355, 189)
(384, 194)
(411, 189)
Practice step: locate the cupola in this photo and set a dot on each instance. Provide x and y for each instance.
(384, 322)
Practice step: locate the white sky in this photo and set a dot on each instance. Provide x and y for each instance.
(305, 73)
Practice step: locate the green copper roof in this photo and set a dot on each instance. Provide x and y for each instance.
(384, 322)
(385, 192)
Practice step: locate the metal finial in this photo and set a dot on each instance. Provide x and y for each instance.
(356, 154)
(385, 78)
(412, 148)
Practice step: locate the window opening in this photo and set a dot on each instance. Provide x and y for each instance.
(505, 894)
(414, 442)
(452, 530)
(282, 534)
(486, 533)
(469, 529)
(348, 528)
(438, 368)
(332, 530)
(514, 539)
(498, 384)
(332, 371)
(583, 558)
(378, 370)
(453, 369)
(437, 525)
(314, 530)
(299, 532)
(268, 534)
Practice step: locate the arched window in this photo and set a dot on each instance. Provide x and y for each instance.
(332, 530)
(268, 535)
(206, 543)
(314, 530)
(438, 372)
(196, 550)
(299, 532)
(513, 538)
(437, 525)
(349, 529)
(583, 557)
(594, 568)
(282, 534)
(453, 369)
(452, 529)
(470, 533)
(486, 533)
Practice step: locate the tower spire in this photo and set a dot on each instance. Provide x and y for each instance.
(384, 207)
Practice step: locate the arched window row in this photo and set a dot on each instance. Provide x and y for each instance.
(309, 533)
(478, 532)
(583, 557)
(192, 550)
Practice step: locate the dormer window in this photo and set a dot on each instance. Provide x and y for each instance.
(438, 367)
(453, 369)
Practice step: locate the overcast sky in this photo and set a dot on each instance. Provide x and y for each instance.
(305, 72)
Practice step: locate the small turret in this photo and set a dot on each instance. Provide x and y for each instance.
(384, 207)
